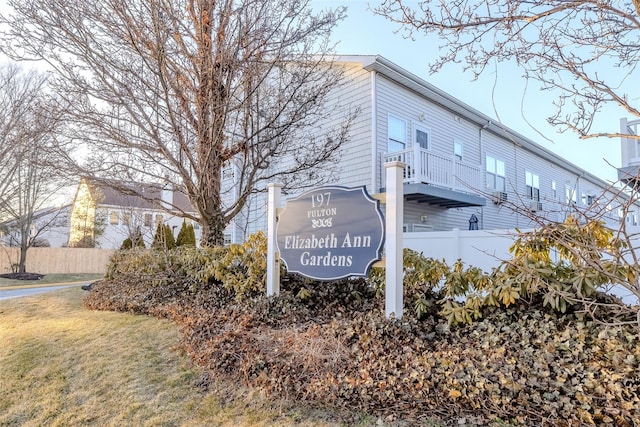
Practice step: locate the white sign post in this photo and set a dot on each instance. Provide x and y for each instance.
(394, 214)
(273, 258)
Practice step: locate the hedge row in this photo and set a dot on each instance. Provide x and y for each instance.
(329, 344)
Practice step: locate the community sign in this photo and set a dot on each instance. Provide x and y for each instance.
(331, 233)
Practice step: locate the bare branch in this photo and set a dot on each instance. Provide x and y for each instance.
(30, 176)
(178, 90)
(567, 46)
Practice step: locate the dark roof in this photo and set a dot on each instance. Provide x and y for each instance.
(138, 195)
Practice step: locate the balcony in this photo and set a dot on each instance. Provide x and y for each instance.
(438, 180)
(630, 176)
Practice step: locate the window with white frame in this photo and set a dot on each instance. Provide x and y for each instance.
(227, 170)
(397, 134)
(422, 137)
(554, 191)
(457, 150)
(114, 218)
(532, 182)
(126, 218)
(569, 193)
(147, 220)
(495, 174)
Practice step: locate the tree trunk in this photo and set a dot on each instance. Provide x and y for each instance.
(213, 230)
(22, 262)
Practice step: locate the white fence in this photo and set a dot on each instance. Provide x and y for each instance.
(478, 248)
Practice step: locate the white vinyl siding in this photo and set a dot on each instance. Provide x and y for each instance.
(396, 114)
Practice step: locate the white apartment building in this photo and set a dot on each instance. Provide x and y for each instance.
(461, 164)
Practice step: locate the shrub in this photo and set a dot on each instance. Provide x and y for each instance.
(186, 235)
(163, 238)
(133, 241)
(519, 363)
(573, 281)
(240, 270)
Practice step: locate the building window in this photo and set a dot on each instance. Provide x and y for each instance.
(533, 185)
(569, 193)
(457, 150)
(227, 239)
(227, 170)
(422, 138)
(126, 218)
(495, 174)
(397, 130)
(147, 219)
(114, 218)
(554, 192)
(159, 219)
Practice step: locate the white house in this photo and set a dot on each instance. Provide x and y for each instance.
(462, 166)
(48, 228)
(105, 217)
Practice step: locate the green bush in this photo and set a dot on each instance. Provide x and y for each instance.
(133, 241)
(186, 235)
(514, 359)
(163, 238)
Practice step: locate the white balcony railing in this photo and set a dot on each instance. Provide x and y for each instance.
(426, 167)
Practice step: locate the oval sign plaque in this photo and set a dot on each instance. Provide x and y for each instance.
(331, 233)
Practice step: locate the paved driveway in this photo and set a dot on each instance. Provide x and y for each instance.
(6, 293)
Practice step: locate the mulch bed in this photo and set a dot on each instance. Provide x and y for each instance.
(22, 276)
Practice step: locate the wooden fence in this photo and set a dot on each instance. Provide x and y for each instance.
(58, 260)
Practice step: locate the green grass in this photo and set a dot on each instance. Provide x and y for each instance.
(49, 279)
(63, 365)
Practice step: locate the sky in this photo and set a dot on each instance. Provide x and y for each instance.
(498, 95)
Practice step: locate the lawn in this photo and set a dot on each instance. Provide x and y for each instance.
(63, 365)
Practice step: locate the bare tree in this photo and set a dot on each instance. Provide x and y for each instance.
(178, 90)
(31, 177)
(586, 50)
(587, 53)
(18, 91)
